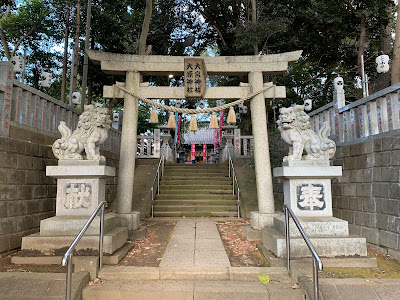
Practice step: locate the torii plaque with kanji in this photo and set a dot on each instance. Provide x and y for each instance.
(195, 77)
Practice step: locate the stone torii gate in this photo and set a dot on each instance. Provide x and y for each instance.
(133, 66)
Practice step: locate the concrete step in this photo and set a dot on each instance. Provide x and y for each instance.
(199, 213)
(193, 208)
(175, 219)
(194, 187)
(277, 274)
(196, 181)
(40, 286)
(191, 176)
(196, 166)
(204, 191)
(188, 196)
(189, 290)
(195, 202)
(197, 170)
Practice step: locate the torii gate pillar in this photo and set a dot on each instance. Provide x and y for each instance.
(266, 208)
(125, 216)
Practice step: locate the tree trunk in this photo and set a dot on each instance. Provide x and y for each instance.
(145, 27)
(76, 48)
(254, 21)
(90, 91)
(396, 51)
(246, 118)
(65, 59)
(362, 40)
(3, 35)
(36, 77)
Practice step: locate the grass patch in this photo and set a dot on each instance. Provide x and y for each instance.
(388, 268)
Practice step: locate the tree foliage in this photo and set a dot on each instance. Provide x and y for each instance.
(332, 34)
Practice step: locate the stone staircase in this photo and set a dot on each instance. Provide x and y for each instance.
(196, 190)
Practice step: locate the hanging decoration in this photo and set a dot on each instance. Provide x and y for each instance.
(76, 98)
(382, 63)
(171, 121)
(205, 153)
(153, 116)
(231, 119)
(214, 121)
(18, 63)
(45, 79)
(193, 123)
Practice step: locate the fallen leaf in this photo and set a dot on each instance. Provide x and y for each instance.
(264, 278)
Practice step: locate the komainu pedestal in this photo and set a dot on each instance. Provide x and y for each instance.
(307, 174)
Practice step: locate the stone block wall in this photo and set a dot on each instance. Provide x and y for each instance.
(27, 195)
(368, 193)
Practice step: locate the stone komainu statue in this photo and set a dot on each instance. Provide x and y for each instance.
(295, 129)
(92, 130)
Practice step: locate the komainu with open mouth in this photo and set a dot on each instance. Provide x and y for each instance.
(295, 129)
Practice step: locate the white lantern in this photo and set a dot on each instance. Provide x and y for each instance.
(178, 103)
(382, 63)
(202, 104)
(115, 120)
(219, 102)
(237, 116)
(308, 105)
(46, 79)
(18, 63)
(116, 116)
(76, 97)
(338, 83)
(97, 104)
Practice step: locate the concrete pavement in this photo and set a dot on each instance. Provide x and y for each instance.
(195, 242)
(40, 286)
(353, 288)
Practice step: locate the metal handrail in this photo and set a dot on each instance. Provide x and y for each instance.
(234, 180)
(157, 176)
(67, 258)
(316, 260)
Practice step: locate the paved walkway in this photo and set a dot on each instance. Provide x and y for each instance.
(46, 286)
(195, 242)
(355, 288)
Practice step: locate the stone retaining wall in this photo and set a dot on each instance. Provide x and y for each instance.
(27, 195)
(368, 193)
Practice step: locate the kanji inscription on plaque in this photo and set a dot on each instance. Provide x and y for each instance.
(77, 195)
(310, 197)
(195, 77)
